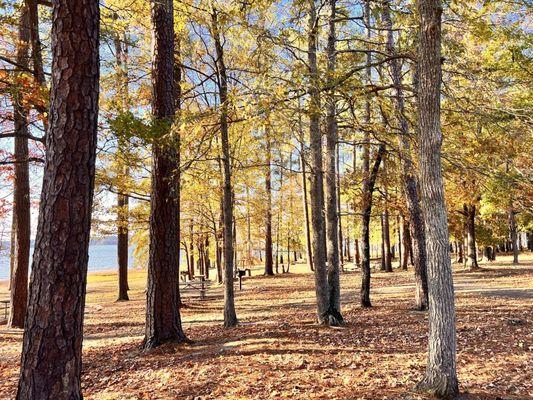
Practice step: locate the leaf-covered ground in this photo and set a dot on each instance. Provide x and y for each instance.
(278, 352)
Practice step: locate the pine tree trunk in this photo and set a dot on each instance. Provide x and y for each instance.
(163, 320)
(441, 375)
(333, 269)
(230, 316)
(51, 357)
(20, 246)
(410, 183)
(122, 198)
(122, 247)
(36, 54)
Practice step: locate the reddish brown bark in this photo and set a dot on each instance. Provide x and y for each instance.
(163, 320)
(51, 357)
(21, 194)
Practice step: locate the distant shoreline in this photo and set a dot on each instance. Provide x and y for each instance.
(95, 272)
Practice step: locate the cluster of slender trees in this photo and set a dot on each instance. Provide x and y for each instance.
(53, 320)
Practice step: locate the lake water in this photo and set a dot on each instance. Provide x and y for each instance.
(101, 257)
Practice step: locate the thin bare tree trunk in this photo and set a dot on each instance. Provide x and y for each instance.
(386, 241)
(230, 316)
(512, 225)
(339, 211)
(269, 261)
(308, 242)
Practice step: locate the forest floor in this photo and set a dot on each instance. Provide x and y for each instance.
(278, 352)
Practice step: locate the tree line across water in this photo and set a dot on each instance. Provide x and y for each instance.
(302, 126)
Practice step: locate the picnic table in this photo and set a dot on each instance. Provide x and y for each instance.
(5, 306)
(199, 283)
(184, 275)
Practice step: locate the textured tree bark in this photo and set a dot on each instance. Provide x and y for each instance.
(122, 247)
(470, 219)
(36, 46)
(36, 53)
(51, 357)
(163, 320)
(332, 214)
(317, 173)
(269, 261)
(406, 243)
(20, 244)
(409, 179)
(122, 199)
(441, 374)
(230, 316)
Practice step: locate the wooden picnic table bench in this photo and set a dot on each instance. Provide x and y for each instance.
(5, 306)
(199, 283)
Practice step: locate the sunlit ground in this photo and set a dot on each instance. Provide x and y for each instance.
(278, 352)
